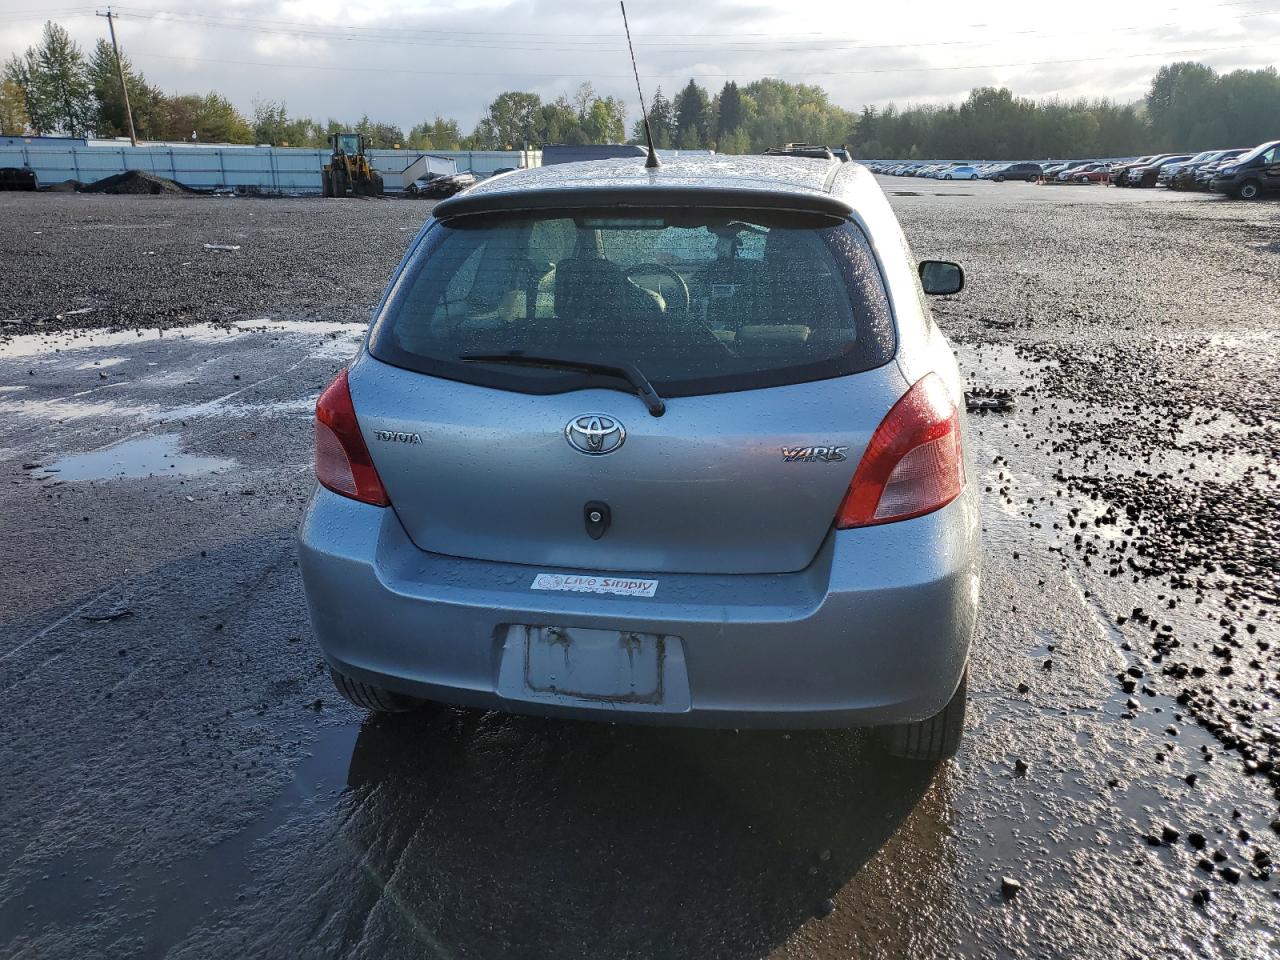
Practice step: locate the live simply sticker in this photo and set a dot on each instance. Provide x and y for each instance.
(577, 583)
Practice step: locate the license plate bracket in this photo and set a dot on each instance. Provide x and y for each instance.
(585, 665)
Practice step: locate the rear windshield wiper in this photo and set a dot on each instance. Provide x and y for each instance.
(625, 371)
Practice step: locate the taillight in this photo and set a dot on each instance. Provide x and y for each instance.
(914, 463)
(343, 463)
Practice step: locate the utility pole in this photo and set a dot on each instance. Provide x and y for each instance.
(124, 87)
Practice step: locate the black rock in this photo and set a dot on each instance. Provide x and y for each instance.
(1230, 874)
(1196, 840)
(1202, 896)
(1169, 835)
(1009, 887)
(824, 909)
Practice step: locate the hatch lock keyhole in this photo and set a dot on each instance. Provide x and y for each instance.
(597, 516)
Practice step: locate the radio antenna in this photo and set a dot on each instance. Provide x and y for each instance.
(652, 163)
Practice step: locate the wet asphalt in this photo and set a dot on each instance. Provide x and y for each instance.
(181, 781)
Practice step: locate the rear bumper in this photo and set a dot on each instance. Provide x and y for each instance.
(876, 630)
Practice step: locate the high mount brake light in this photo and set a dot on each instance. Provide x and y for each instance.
(914, 463)
(343, 464)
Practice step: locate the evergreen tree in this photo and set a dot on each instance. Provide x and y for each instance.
(110, 119)
(731, 112)
(56, 84)
(661, 122)
(692, 114)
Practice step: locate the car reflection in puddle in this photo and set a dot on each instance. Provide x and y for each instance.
(570, 838)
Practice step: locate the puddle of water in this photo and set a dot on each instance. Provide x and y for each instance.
(301, 407)
(153, 456)
(103, 362)
(176, 897)
(59, 411)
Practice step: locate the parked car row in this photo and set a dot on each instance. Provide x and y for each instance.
(952, 170)
(1241, 173)
(1027, 171)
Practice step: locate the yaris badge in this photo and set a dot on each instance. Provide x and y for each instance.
(594, 434)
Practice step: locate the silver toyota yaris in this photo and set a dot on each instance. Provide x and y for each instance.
(681, 446)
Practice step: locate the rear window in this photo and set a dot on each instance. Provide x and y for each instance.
(701, 301)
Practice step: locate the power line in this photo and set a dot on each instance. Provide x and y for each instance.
(77, 13)
(340, 34)
(623, 76)
(609, 42)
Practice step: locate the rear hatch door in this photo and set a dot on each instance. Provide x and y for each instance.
(745, 482)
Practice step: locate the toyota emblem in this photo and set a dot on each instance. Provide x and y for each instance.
(594, 434)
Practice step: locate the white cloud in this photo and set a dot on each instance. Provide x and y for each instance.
(398, 62)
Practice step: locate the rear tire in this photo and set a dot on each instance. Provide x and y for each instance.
(368, 697)
(933, 739)
(1000, 178)
(1249, 190)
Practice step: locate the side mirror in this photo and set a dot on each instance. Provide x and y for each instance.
(941, 277)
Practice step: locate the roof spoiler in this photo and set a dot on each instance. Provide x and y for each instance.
(642, 196)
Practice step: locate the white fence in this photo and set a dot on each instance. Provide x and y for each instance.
(274, 169)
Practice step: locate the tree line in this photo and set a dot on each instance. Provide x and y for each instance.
(55, 88)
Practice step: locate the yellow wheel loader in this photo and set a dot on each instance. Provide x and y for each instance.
(348, 171)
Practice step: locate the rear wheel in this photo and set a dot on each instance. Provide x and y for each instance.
(368, 697)
(1249, 190)
(935, 738)
(1000, 178)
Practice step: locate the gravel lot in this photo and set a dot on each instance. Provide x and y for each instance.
(180, 781)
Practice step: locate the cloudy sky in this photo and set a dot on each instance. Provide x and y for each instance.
(405, 62)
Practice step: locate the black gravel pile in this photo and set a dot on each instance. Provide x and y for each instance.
(136, 182)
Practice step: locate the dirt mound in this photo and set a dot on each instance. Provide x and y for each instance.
(136, 181)
(66, 186)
